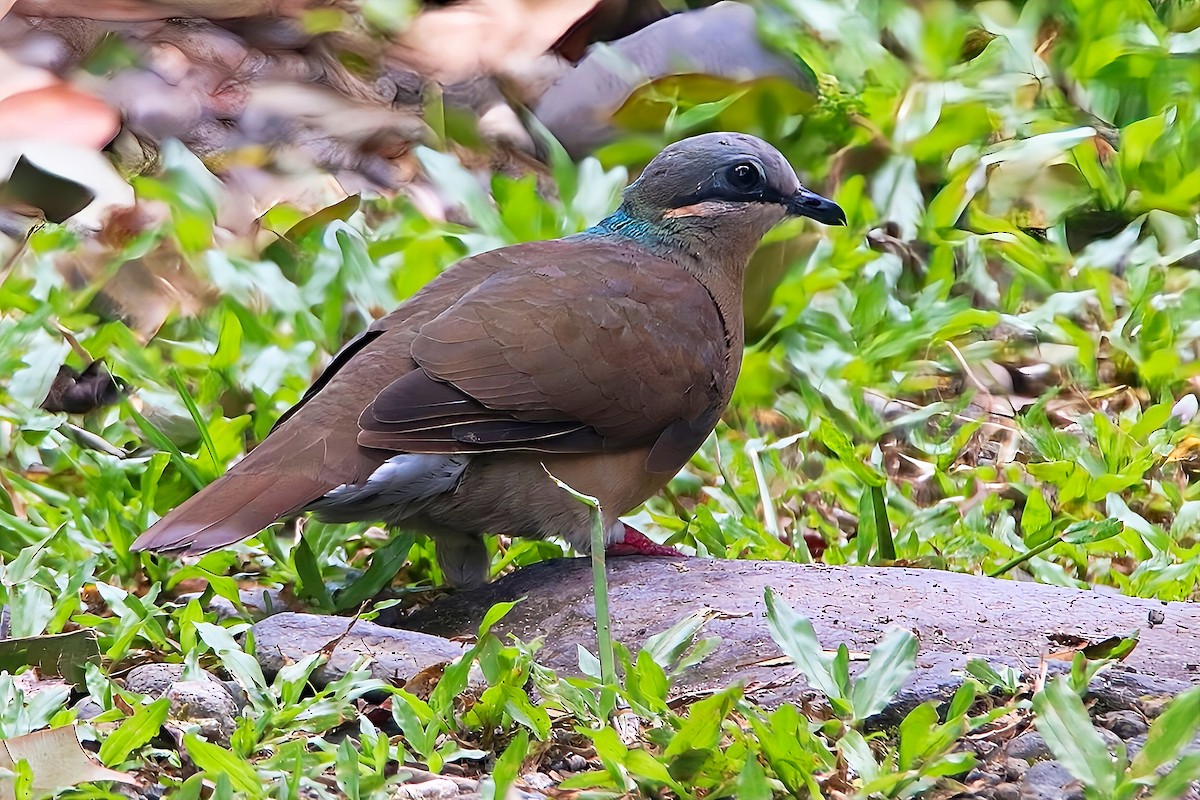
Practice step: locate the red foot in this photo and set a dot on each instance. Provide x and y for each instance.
(638, 544)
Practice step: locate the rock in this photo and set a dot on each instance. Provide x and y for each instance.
(87, 708)
(537, 780)
(1007, 791)
(1110, 739)
(957, 618)
(155, 679)
(206, 703)
(1047, 780)
(1015, 768)
(1028, 747)
(436, 789)
(575, 762)
(979, 776)
(395, 655)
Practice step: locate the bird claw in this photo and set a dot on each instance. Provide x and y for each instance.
(639, 544)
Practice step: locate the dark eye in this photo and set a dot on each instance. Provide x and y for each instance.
(744, 176)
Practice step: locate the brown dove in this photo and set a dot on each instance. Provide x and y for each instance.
(604, 358)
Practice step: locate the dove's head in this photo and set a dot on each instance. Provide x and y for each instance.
(719, 191)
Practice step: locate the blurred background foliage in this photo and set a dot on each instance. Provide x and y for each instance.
(1005, 334)
(996, 358)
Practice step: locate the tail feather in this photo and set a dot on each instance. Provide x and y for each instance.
(234, 507)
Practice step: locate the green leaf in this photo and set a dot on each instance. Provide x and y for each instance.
(890, 664)
(1064, 724)
(1037, 514)
(508, 767)
(134, 732)
(917, 731)
(752, 782)
(1088, 531)
(386, 562)
(496, 613)
(217, 761)
(699, 734)
(312, 585)
(346, 769)
(796, 638)
(1179, 779)
(1169, 734)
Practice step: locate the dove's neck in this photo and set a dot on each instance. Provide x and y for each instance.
(699, 245)
(717, 261)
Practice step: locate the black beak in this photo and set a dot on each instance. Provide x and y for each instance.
(810, 204)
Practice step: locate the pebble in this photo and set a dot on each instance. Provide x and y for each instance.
(207, 704)
(1007, 791)
(537, 780)
(1048, 780)
(436, 789)
(1029, 747)
(155, 679)
(87, 708)
(576, 762)
(1015, 768)
(393, 655)
(1125, 724)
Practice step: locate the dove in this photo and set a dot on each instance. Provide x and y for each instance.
(603, 359)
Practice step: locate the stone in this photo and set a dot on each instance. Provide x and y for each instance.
(1125, 724)
(436, 789)
(1007, 791)
(87, 708)
(154, 679)
(1028, 747)
(395, 655)
(1015, 768)
(957, 618)
(1046, 780)
(206, 703)
(537, 780)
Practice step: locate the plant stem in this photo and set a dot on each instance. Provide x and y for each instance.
(1041, 548)
(608, 670)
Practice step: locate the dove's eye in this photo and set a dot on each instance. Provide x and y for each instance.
(744, 176)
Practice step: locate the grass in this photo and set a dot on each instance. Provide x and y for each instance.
(996, 382)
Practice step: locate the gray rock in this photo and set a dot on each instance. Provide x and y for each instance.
(1111, 740)
(1125, 724)
(155, 679)
(537, 780)
(206, 703)
(1007, 791)
(1015, 768)
(957, 617)
(395, 655)
(1028, 747)
(436, 789)
(87, 708)
(1048, 780)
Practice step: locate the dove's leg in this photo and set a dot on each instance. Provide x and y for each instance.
(637, 543)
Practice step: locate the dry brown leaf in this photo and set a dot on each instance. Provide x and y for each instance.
(479, 37)
(59, 113)
(56, 760)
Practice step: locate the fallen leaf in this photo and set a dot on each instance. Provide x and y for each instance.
(64, 654)
(56, 760)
